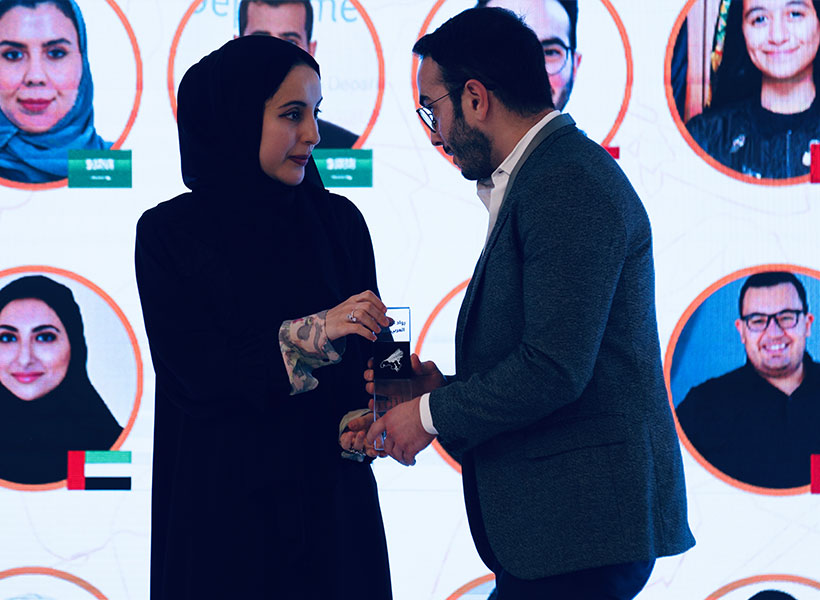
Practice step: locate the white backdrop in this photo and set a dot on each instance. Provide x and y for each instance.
(428, 228)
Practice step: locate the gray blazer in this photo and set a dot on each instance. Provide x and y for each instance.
(558, 409)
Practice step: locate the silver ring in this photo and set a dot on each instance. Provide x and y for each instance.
(351, 317)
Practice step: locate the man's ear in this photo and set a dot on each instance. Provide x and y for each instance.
(312, 48)
(476, 99)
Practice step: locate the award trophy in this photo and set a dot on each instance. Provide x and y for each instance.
(391, 366)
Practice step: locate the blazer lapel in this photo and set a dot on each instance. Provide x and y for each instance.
(554, 125)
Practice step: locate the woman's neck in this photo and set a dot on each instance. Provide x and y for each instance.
(788, 96)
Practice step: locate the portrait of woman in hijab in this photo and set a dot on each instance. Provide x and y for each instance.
(46, 92)
(48, 405)
(763, 114)
(258, 289)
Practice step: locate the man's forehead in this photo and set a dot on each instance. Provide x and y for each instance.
(547, 18)
(771, 298)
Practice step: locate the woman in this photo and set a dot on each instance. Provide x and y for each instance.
(46, 91)
(250, 493)
(764, 112)
(48, 406)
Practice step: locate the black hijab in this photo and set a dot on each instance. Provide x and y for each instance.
(221, 106)
(35, 435)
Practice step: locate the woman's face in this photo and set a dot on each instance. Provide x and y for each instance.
(289, 128)
(40, 66)
(34, 348)
(782, 36)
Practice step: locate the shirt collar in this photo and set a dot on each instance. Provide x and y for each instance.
(507, 165)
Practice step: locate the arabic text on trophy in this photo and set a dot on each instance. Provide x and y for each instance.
(391, 365)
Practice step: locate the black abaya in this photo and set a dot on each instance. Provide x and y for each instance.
(250, 493)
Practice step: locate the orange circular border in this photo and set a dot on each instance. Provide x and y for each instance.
(134, 345)
(762, 579)
(667, 373)
(420, 342)
(414, 66)
(131, 118)
(470, 586)
(370, 27)
(55, 573)
(670, 99)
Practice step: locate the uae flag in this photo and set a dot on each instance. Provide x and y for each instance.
(815, 473)
(98, 470)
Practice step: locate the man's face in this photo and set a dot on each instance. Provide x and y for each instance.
(550, 22)
(774, 352)
(470, 148)
(286, 22)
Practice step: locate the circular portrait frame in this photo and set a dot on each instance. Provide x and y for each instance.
(414, 67)
(668, 364)
(60, 183)
(681, 126)
(81, 583)
(374, 116)
(129, 331)
(775, 578)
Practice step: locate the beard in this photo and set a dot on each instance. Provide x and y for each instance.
(471, 150)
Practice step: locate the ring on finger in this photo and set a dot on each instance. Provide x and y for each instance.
(351, 317)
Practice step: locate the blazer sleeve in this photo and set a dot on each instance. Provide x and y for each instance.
(208, 360)
(572, 245)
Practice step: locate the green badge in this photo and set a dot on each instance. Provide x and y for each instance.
(99, 168)
(345, 168)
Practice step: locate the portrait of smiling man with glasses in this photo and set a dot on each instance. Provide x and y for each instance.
(760, 423)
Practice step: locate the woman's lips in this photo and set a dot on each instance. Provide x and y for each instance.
(35, 105)
(27, 377)
(301, 159)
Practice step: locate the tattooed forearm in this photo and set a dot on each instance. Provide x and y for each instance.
(305, 347)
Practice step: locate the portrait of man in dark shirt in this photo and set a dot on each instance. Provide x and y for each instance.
(292, 21)
(760, 423)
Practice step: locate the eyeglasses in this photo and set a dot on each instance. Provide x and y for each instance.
(785, 319)
(556, 54)
(426, 114)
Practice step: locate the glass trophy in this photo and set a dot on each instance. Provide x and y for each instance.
(392, 374)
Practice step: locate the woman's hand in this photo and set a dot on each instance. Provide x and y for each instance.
(362, 314)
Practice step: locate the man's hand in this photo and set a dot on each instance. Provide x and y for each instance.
(406, 436)
(354, 438)
(426, 378)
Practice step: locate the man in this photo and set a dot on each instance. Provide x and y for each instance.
(760, 423)
(558, 412)
(555, 22)
(292, 21)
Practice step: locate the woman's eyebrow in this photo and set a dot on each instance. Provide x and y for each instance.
(12, 44)
(294, 103)
(60, 41)
(45, 327)
(8, 327)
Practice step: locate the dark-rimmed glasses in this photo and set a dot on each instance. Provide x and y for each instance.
(785, 319)
(426, 114)
(556, 54)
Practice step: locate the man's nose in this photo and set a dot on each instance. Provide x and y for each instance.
(435, 139)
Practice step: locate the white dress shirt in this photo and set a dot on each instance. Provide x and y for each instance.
(491, 193)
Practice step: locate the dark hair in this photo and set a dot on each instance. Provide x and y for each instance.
(243, 13)
(64, 6)
(737, 79)
(570, 6)
(495, 47)
(772, 595)
(771, 279)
